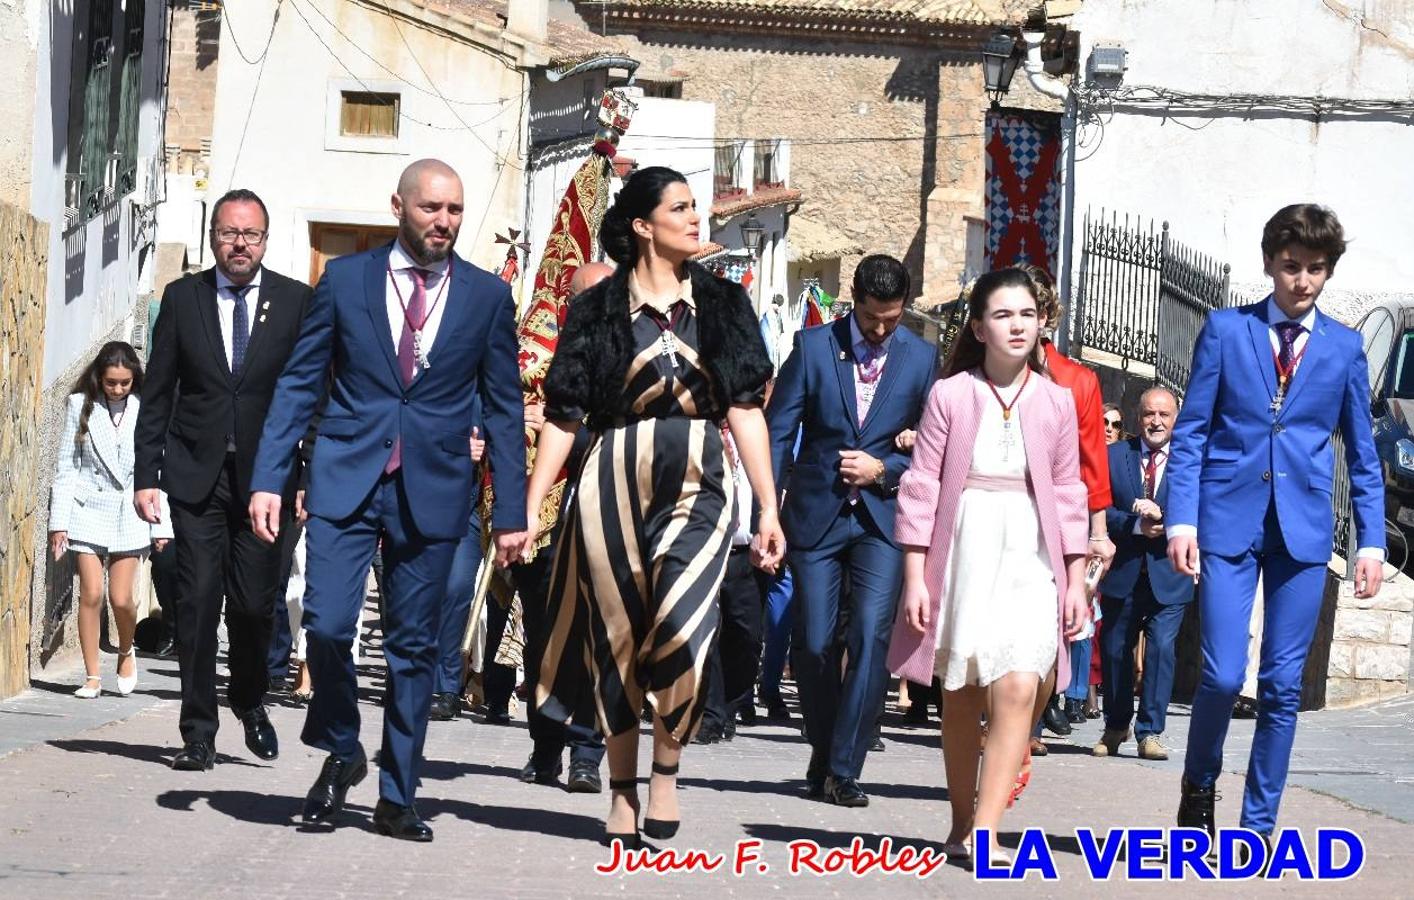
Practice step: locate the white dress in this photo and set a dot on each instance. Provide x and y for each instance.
(999, 611)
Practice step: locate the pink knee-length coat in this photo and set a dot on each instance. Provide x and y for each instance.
(932, 487)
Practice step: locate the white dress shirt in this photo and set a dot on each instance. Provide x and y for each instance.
(226, 306)
(1275, 316)
(400, 279)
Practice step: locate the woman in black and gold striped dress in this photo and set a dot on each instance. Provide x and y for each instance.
(654, 361)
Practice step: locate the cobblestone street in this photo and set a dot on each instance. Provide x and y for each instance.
(92, 809)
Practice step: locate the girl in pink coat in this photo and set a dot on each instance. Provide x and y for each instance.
(992, 517)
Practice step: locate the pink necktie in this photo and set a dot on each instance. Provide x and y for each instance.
(407, 361)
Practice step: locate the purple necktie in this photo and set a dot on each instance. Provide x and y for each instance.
(407, 361)
(1288, 332)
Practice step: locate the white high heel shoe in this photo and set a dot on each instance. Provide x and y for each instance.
(126, 685)
(92, 687)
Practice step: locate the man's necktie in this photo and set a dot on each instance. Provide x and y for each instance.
(870, 367)
(1151, 473)
(240, 328)
(1288, 332)
(407, 361)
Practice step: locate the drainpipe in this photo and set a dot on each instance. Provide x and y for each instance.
(1051, 86)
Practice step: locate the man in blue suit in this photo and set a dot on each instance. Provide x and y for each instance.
(1142, 592)
(412, 333)
(1250, 482)
(850, 387)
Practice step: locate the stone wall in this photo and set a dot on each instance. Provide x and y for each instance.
(24, 243)
(1370, 649)
(19, 49)
(191, 89)
(905, 192)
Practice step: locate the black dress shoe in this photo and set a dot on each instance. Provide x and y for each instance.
(497, 717)
(401, 822)
(166, 647)
(584, 779)
(538, 772)
(445, 707)
(845, 792)
(708, 734)
(1055, 720)
(1244, 708)
(260, 737)
(327, 796)
(878, 745)
(195, 756)
(746, 714)
(1075, 711)
(1196, 808)
(776, 710)
(916, 714)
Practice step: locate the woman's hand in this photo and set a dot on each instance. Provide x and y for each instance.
(478, 446)
(534, 417)
(58, 544)
(1075, 611)
(917, 605)
(768, 548)
(160, 544)
(906, 439)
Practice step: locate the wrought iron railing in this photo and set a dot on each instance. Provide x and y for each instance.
(1191, 285)
(1116, 305)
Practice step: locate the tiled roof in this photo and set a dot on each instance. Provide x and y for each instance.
(567, 43)
(761, 198)
(931, 12)
(709, 250)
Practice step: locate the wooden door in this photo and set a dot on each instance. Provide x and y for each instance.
(329, 241)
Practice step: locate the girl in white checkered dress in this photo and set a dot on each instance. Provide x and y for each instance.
(91, 510)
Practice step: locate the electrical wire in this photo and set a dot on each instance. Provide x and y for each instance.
(377, 62)
(231, 29)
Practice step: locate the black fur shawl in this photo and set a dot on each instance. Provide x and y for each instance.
(596, 346)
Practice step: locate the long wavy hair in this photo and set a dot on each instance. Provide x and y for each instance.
(967, 351)
(90, 383)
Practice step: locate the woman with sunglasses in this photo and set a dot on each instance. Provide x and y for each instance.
(1114, 424)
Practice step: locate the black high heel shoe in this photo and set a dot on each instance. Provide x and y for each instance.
(629, 839)
(662, 829)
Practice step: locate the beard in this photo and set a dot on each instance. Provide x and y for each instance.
(418, 244)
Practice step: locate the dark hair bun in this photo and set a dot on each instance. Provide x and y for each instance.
(641, 194)
(616, 236)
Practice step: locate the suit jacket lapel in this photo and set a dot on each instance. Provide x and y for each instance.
(893, 365)
(270, 295)
(1136, 468)
(211, 319)
(456, 308)
(844, 369)
(375, 280)
(104, 437)
(1262, 346)
(1311, 360)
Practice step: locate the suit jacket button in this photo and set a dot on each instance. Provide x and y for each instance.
(1266, 476)
(1278, 428)
(405, 401)
(387, 443)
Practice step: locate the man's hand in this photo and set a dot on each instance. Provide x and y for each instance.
(1369, 575)
(906, 439)
(301, 514)
(1183, 555)
(534, 417)
(148, 503)
(1151, 528)
(478, 446)
(510, 546)
(1104, 551)
(859, 469)
(1148, 509)
(265, 515)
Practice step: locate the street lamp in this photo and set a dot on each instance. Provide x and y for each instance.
(751, 233)
(999, 63)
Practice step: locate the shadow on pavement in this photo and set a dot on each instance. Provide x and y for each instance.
(247, 806)
(446, 770)
(161, 756)
(515, 818)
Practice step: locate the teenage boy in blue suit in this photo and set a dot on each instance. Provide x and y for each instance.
(1250, 481)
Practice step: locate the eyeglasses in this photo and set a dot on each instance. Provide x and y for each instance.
(252, 237)
(1113, 423)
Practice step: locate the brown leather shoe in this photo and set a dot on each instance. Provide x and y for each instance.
(1038, 748)
(1151, 748)
(1109, 742)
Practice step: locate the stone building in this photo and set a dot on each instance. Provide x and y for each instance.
(80, 176)
(883, 104)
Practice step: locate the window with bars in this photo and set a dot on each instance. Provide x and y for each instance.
(369, 114)
(768, 169)
(724, 182)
